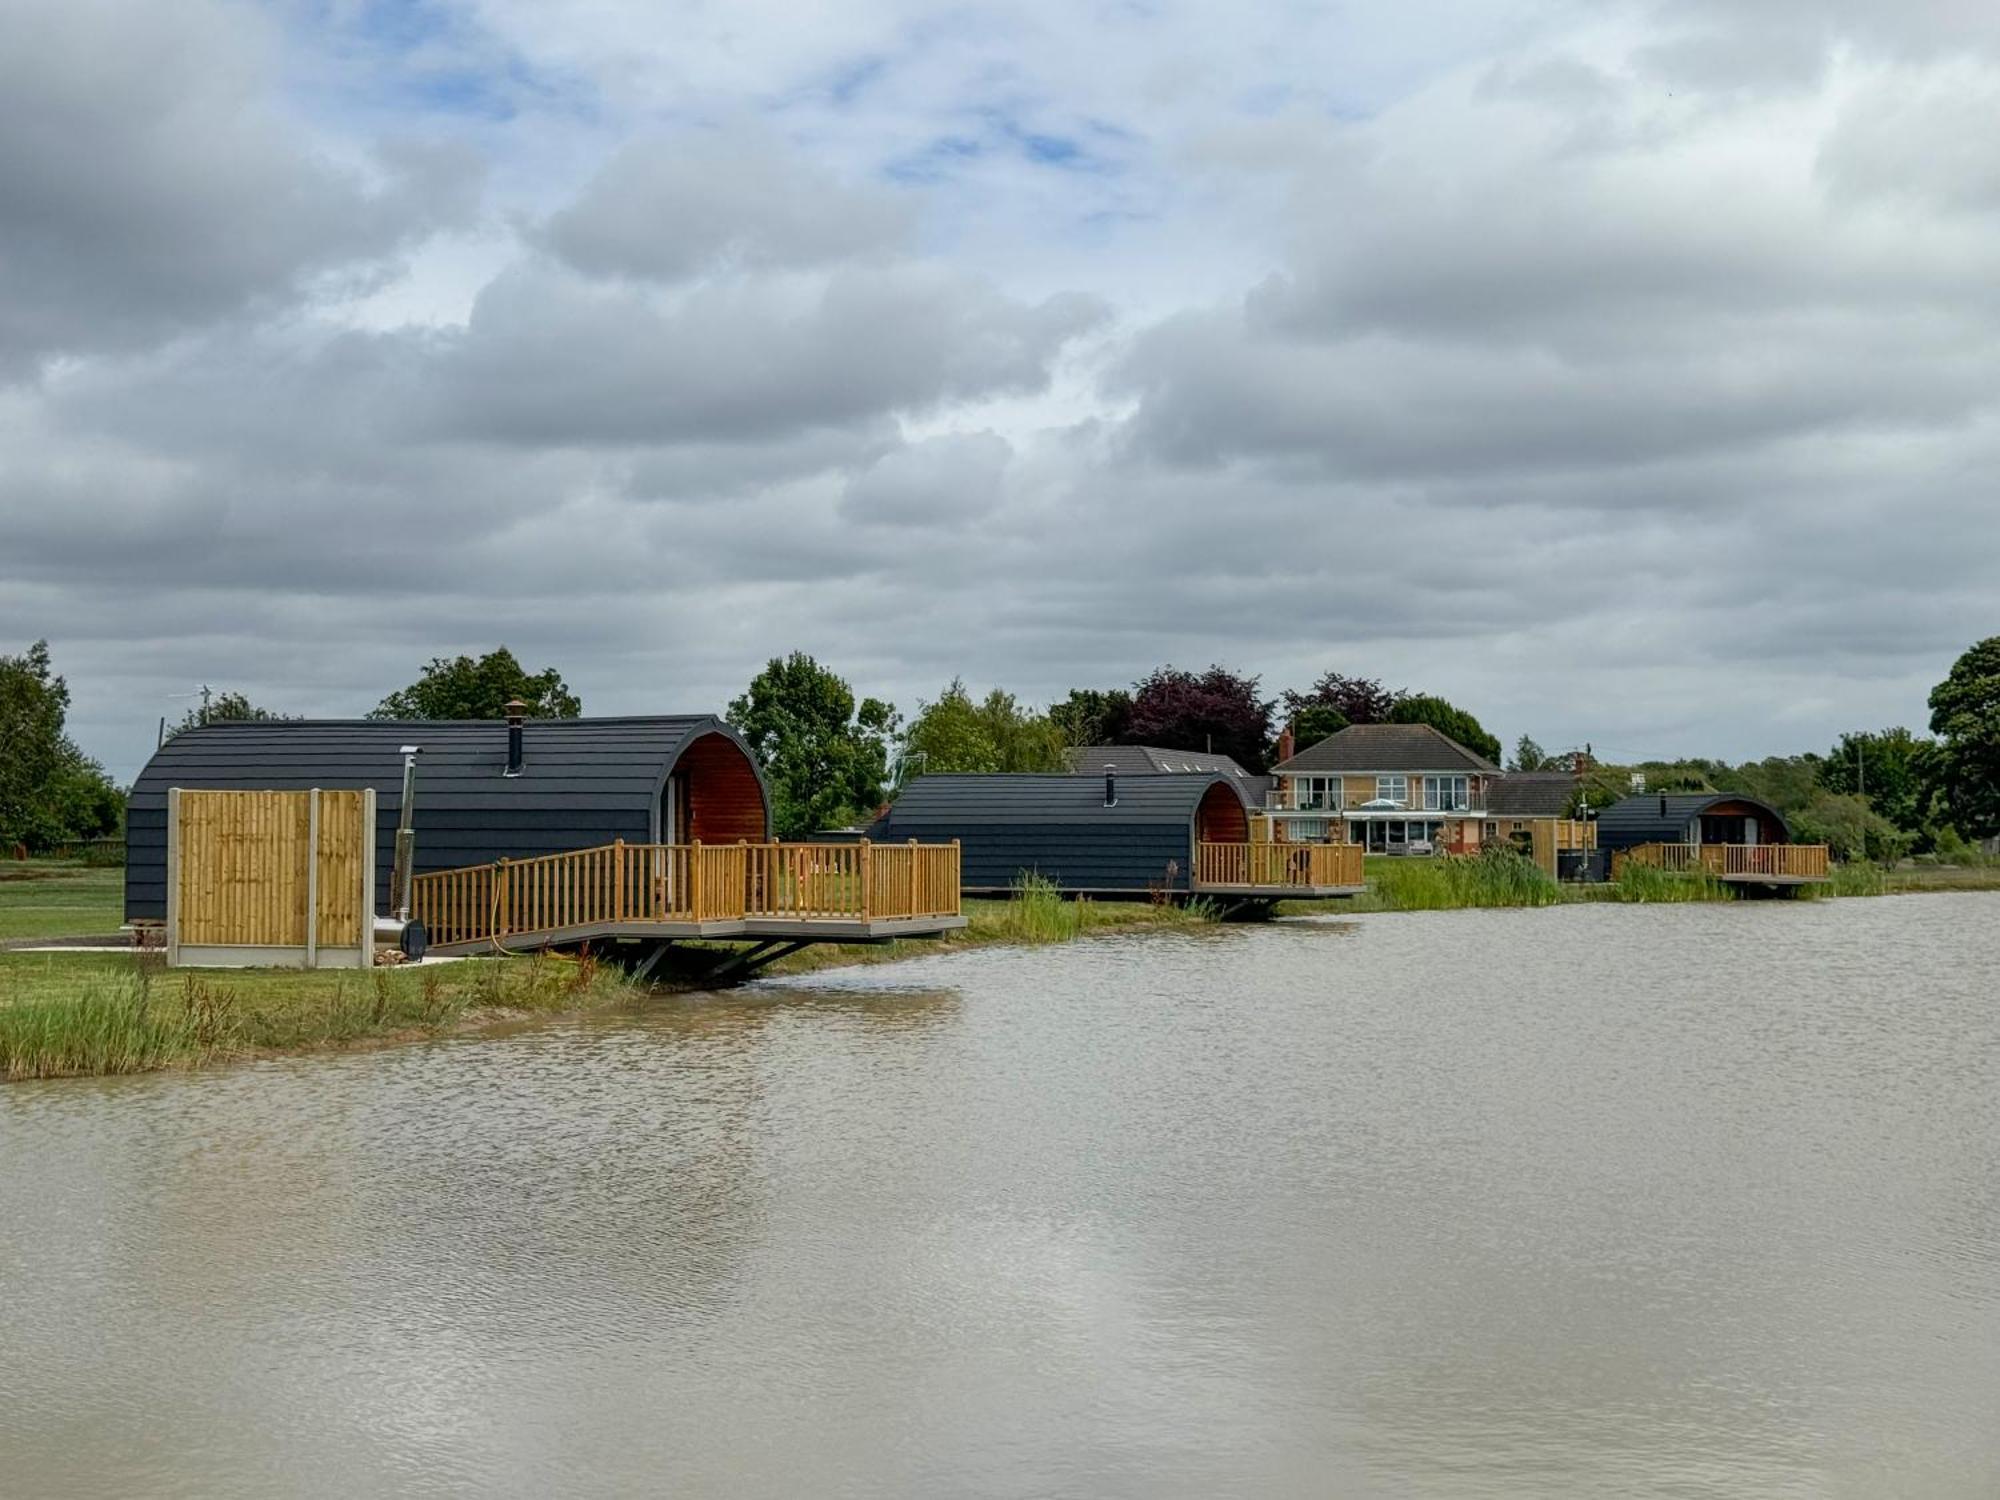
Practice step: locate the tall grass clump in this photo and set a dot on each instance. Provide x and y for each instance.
(1037, 913)
(1498, 876)
(1649, 883)
(113, 1027)
(1856, 878)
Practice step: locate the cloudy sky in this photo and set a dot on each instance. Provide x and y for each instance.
(1625, 372)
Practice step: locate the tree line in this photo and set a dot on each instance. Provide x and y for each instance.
(832, 758)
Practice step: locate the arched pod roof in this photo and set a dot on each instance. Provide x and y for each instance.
(582, 782)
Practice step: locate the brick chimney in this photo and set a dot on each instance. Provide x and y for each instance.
(1286, 746)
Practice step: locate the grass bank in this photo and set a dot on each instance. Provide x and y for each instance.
(76, 1014)
(86, 1014)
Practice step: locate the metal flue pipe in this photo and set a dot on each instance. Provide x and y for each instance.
(397, 930)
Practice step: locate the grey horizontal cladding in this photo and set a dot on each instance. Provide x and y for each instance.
(992, 856)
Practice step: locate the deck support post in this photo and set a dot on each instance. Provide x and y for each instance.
(644, 970)
(741, 966)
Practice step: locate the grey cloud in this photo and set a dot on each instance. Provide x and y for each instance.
(942, 481)
(147, 184)
(720, 200)
(1924, 138)
(549, 358)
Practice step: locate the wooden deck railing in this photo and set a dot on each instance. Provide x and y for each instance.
(638, 883)
(1737, 861)
(1277, 864)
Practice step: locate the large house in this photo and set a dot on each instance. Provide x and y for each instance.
(1387, 787)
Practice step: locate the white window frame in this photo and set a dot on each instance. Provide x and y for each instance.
(1447, 793)
(1393, 787)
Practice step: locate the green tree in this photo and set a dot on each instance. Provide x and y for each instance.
(1529, 756)
(50, 791)
(1090, 717)
(1965, 716)
(226, 708)
(825, 757)
(1315, 722)
(949, 735)
(1421, 708)
(955, 734)
(1891, 768)
(460, 687)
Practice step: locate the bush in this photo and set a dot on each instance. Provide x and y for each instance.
(1850, 829)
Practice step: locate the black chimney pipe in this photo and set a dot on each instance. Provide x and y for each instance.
(515, 709)
(1110, 786)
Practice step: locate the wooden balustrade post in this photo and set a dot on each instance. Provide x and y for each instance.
(503, 887)
(913, 877)
(694, 880)
(867, 882)
(618, 880)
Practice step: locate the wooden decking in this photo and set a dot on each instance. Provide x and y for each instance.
(759, 892)
(1746, 864)
(1278, 871)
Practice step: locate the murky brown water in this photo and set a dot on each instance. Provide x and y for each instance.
(1585, 1202)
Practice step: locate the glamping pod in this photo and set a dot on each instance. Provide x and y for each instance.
(1728, 835)
(486, 790)
(1132, 836)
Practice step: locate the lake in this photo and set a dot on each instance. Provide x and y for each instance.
(1586, 1201)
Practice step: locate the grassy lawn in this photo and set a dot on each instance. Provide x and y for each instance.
(46, 898)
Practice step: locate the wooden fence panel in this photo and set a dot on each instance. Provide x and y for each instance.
(270, 876)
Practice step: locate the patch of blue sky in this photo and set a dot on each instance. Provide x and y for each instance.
(1094, 147)
(423, 58)
(936, 160)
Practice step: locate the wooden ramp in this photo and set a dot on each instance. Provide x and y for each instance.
(771, 896)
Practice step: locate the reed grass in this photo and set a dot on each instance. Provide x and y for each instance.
(1494, 877)
(1651, 885)
(1857, 878)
